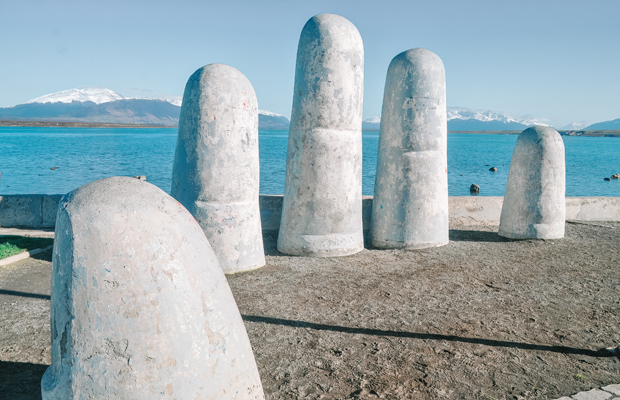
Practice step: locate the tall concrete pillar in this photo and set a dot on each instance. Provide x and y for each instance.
(322, 209)
(534, 203)
(215, 173)
(140, 307)
(410, 205)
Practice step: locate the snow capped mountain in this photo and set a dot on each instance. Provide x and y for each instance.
(98, 104)
(371, 124)
(465, 119)
(97, 95)
(269, 113)
(100, 95)
(271, 120)
(575, 126)
(458, 113)
(174, 100)
(373, 120)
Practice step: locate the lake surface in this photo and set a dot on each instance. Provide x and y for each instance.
(81, 155)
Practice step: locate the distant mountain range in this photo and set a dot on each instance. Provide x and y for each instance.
(101, 105)
(575, 126)
(126, 111)
(464, 119)
(106, 106)
(613, 124)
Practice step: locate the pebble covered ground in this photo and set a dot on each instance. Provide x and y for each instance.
(481, 318)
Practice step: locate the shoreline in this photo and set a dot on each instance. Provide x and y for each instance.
(70, 124)
(67, 124)
(592, 133)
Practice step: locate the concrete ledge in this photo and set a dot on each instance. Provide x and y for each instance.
(28, 210)
(475, 210)
(39, 211)
(593, 208)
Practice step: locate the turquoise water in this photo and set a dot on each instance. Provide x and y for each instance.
(81, 155)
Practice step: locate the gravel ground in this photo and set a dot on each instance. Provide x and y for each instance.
(480, 318)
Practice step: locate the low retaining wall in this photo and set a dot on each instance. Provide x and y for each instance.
(39, 211)
(28, 210)
(477, 210)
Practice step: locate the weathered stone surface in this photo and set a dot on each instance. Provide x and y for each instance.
(140, 308)
(615, 389)
(534, 203)
(322, 209)
(216, 168)
(474, 188)
(411, 187)
(593, 394)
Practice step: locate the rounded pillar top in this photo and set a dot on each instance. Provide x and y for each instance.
(215, 80)
(218, 70)
(413, 117)
(116, 191)
(216, 157)
(329, 75)
(419, 58)
(541, 135)
(534, 203)
(331, 26)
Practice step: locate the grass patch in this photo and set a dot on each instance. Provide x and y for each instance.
(12, 245)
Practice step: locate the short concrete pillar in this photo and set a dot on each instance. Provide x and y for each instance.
(410, 206)
(322, 209)
(215, 174)
(534, 203)
(140, 307)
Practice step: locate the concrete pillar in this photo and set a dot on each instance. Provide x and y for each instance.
(215, 173)
(410, 206)
(534, 203)
(322, 209)
(140, 308)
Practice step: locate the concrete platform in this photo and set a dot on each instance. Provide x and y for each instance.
(481, 318)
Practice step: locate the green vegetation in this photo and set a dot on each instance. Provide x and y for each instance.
(581, 377)
(12, 245)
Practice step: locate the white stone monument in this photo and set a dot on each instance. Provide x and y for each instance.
(140, 308)
(534, 203)
(322, 208)
(215, 173)
(410, 204)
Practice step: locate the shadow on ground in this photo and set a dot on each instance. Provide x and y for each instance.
(45, 256)
(429, 336)
(457, 235)
(21, 381)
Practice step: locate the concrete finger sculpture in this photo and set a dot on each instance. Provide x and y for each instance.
(140, 308)
(322, 208)
(410, 205)
(534, 203)
(215, 173)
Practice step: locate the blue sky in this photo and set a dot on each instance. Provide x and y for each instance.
(558, 60)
